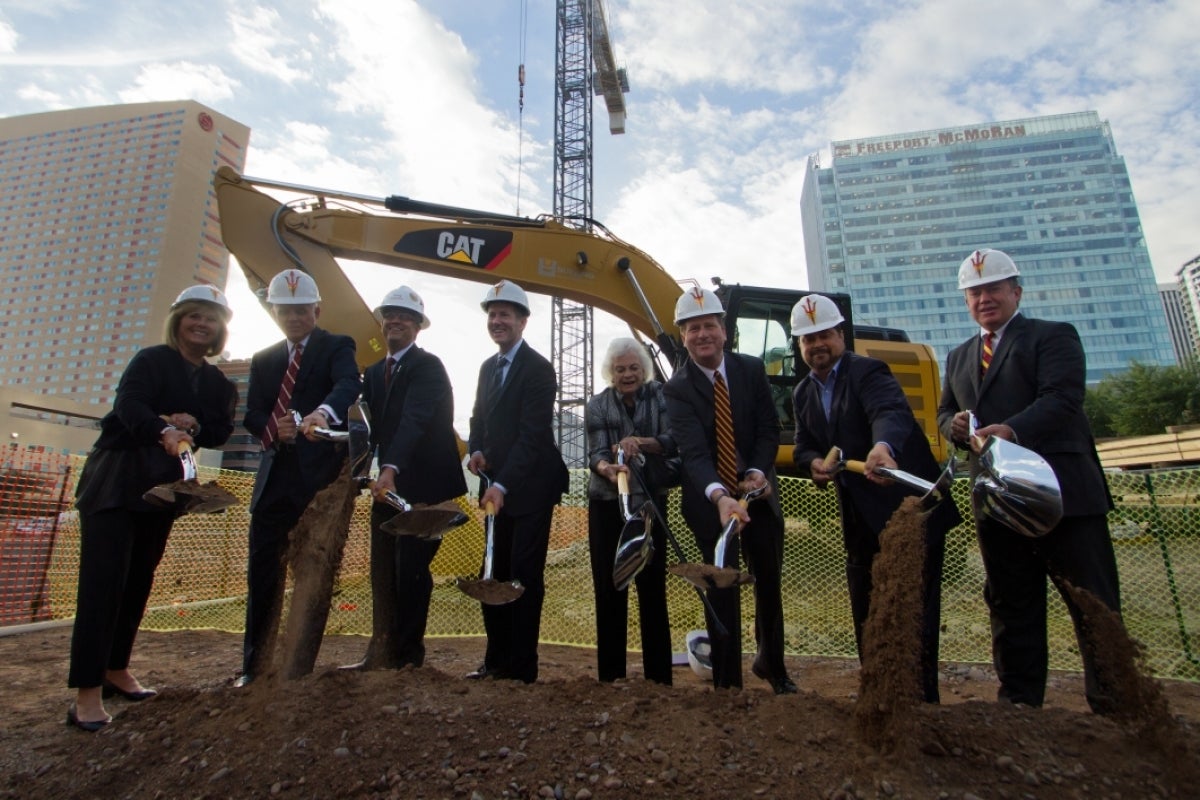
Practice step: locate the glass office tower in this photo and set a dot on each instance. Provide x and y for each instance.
(893, 217)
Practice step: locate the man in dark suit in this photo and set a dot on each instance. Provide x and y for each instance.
(709, 501)
(855, 403)
(313, 373)
(512, 441)
(1024, 379)
(411, 404)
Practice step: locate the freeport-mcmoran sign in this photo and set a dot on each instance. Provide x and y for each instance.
(949, 136)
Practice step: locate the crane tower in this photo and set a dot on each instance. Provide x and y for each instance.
(582, 40)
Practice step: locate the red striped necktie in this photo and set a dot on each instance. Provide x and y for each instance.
(285, 397)
(985, 356)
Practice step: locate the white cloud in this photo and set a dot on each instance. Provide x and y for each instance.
(206, 83)
(256, 44)
(8, 38)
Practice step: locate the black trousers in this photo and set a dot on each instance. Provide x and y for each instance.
(118, 553)
(862, 545)
(521, 543)
(401, 588)
(605, 523)
(1079, 552)
(761, 544)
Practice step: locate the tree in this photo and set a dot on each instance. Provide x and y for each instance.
(1145, 400)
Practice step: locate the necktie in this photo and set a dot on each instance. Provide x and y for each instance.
(726, 450)
(284, 398)
(388, 368)
(985, 357)
(498, 375)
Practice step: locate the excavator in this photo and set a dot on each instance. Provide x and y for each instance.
(542, 255)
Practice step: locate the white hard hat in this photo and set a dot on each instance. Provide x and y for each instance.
(699, 653)
(985, 266)
(815, 313)
(697, 302)
(406, 299)
(506, 292)
(292, 288)
(203, 293)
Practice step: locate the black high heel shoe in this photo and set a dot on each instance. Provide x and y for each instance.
(84, 725)
(110, 689)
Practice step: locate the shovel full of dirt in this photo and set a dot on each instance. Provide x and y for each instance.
(635, 547)
(422, 521)
(487, 589)
(189, 495)
(724, 573)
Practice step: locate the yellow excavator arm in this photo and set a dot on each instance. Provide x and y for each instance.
(541, 255)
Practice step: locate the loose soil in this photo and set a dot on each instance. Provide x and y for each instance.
(431, 733)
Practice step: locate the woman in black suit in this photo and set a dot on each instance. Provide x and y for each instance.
(631, 417)
(168, 395)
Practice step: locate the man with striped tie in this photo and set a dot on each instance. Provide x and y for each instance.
(723, 418)
(314, 373)
(1024, 380)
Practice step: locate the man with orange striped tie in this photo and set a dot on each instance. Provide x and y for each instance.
(723, 418)
(1024, 380)
(313, 373)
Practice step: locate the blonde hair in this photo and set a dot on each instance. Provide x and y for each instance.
(624, 346)
(171, 326)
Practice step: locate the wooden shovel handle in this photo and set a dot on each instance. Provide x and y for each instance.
(623, 482)
(857, 467)
(489, 508)
(832, 458)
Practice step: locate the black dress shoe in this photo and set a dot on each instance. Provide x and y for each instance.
(85, 725)
(485, 671)
(782, 685)
(112, 690)
(243, 681)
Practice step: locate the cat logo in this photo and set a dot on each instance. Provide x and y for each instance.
(466, 247)
(457, 247)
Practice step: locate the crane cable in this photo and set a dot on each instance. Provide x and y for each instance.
(521, 38)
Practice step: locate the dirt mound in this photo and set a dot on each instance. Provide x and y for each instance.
(431, 733)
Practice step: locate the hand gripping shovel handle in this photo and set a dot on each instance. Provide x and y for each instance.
(487, 590)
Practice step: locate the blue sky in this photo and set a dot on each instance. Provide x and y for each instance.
(728, 100)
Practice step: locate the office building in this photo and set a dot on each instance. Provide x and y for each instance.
(1178, 324)
(892, 217)
(1187, 278)
(106, 214)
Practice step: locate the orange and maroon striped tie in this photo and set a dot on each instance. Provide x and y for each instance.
(726, 449)
(985, 357)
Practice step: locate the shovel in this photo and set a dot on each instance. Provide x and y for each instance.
(932, 492)
(1015, 486)
(189, 495)
(723, 574)
(487, 589)
(425, 522)
(635, 548)
(720, 628)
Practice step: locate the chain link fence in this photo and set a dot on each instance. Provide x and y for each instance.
(201, 581)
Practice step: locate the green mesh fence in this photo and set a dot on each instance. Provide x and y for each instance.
(201, 581)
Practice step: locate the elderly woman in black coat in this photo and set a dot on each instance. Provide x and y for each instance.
(168, 395)
(630, 416)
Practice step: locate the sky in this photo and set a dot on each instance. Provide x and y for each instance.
(728, 100)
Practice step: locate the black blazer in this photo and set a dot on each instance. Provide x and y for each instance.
(328, 376)
(412, 426)
(868, 406)
(1035, 385)
(689, 395)
(127, 458)
(514, 429)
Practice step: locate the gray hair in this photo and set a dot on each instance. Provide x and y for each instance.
(625, 346)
